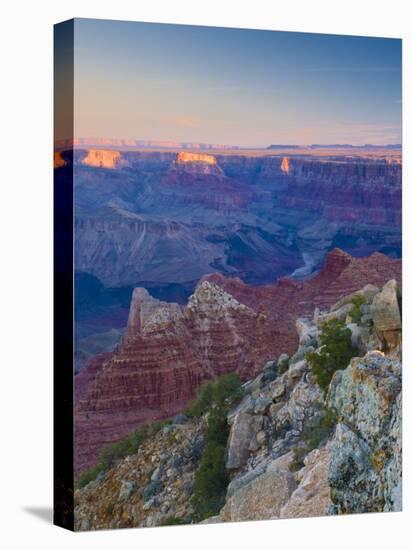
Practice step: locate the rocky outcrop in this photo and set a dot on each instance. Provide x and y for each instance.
(258, 217)
(311, 498)
(386, 315)
(148, 314)
(186, 157)
(365, 468)
(282, 459)
(165, 355)
(227, 326)
(58, 160)
(286, 300)
(101, 158)
(264, 496)
(147, 488)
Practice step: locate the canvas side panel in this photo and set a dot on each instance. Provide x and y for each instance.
(63, 274)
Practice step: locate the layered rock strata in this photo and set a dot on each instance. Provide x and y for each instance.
(356, 466)
(227, 326)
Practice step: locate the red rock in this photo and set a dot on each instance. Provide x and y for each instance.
(227, 326)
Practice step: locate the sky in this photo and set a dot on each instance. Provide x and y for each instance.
(233, 86)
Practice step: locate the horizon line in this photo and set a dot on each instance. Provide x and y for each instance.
(173, 144)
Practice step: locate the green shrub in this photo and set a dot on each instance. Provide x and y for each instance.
(334, 353)
(282, 367)
(355, 313)
(211, 478)
(226, 390)
(210, 482)
(173, 520)
(202, 402)
(89, 475)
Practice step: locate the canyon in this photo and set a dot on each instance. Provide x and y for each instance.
(164, 219)
(260, 217)
(168, 349)
(291, 450)
(192, 264)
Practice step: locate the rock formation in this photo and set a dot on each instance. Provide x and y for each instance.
(101, 158)
(257, 217)
(226, 326)
(366, 465)
(197, 165)
(165, 355)
(386, 314)
(281, 460)
(58, 160)
(185, 157)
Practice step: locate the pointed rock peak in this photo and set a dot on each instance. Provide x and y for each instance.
(140, 293)
(210, 294)
(337, 258)
(147, 313)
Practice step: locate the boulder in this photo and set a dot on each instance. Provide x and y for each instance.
(386, 316)
(297, 369)
(300, 354)
(247, 406)
(307, 331)
(244, 428)
(262, 405)
(312, 496)
(367, 292)
(264, 496)
(385, 308)
(277, 389)
(337, 314)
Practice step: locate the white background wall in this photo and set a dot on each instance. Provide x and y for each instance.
(26, 271)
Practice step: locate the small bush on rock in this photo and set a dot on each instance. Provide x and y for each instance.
(355, 313)
(334, 353)
(211, 478)
(226, 390)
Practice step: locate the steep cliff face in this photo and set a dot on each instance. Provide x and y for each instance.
(288, 299)
(285, 211)
(226, 326)
(185, 157)
(196, 164)
(165, 355)
(58, 160)
(366, 463)
(292, 451)
(101, 158)
(122, 249)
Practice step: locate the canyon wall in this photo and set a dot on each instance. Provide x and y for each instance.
(260, 217)
(226, 326)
